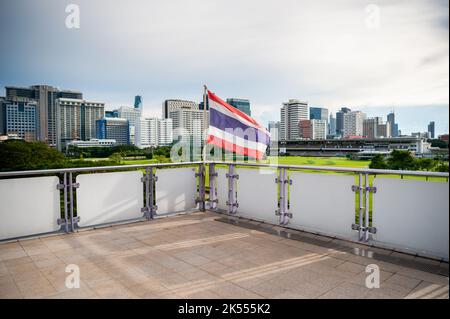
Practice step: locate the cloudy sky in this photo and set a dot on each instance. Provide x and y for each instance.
(370, 55)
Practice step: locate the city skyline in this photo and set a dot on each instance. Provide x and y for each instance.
(348, 62)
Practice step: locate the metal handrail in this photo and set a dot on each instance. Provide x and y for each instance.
(339, 169)
(248, 164)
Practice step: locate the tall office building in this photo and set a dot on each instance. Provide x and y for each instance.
(138, 102)
(171, 105)
(152, 132)
(291, 113)
(431, 129)
(332, 125)
(188, 124)
(393, 124)
(46, 97)
(114, 128)
(274, 128)
(241, 104)
(354, 124)
(370, 127)
(19, 119)
(313, 129)
(76, 120)
(340, 121)
(132, 114)
(384, 129)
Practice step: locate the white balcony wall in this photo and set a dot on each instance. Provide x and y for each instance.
(29, 206)
(323, 203)
(257, 195)
(109, 197)
(176, 190)
(412, 215)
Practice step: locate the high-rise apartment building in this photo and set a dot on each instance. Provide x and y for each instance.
(241, 104)
(46, 97)
(189, 124)
(151, 132)
(114, 128)
(354, 124)
(291, 113)
(313, 129)
(76, 120)
(431, 129)
(384, 129)
(19, 119)
(340, 120)
(171, 105)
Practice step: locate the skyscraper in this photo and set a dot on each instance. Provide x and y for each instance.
(151, 132)
(132, 114)
(76, 120)
(312, 129)
(171, 105)
(332, 125)
(46, 97)
(291, 113)
(274, 128)
(241, 104)
(393, 124)
(114, 128)
(19, 118)
(340, 120)
(370, 127)
(188, 124)
(353, 124)
(138, 102)
(431, 129)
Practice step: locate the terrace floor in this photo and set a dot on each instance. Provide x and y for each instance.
(208, 255)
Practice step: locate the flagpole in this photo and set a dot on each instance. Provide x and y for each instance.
(205, 120)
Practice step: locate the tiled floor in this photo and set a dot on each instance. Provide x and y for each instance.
(199, 256)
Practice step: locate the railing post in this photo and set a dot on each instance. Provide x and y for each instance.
(212, 187)
(66, 223)
(148, 179)
(231, 203)
(72, 219)
(366, 208)
(201, 187)
(361, 207)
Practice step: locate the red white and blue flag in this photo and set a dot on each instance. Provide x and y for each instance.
(235, 131)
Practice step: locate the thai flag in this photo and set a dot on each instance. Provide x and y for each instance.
(235, 131)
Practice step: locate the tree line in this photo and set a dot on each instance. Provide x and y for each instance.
(403, 160)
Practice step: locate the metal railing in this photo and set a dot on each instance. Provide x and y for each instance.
(207, 173)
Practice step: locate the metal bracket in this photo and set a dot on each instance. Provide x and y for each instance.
(213, 200)
(234, 204)
(75, 185)
(372, 230)
(278, 213)
(232, 176)
(214, 174)
(371, 189)
(356, 188)
(62, 221)
(60, 186)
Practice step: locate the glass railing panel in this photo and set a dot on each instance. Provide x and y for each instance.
(412, 215)
(257, 194)
(109, 197)
(323, 203)
(176, 190)
(29, 206)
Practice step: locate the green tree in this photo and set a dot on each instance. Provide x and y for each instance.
(378, 162)
(442, 167)
(425, 164)
(401, 160)
(116, 158)
(21, 155)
